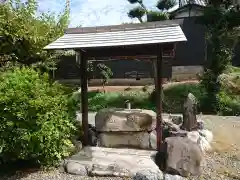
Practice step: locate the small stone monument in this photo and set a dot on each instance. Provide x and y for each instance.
(125, 128)
(189, 113)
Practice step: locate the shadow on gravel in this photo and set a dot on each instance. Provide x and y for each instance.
(17, 170)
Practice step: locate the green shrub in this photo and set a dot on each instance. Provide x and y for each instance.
(229, 105)
(36, 118)
(230, 83)
(174, 96)
(232, 69)
(145, 88)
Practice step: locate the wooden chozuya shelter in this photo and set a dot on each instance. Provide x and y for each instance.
(127, 41)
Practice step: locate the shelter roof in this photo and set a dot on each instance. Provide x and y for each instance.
(120, 35)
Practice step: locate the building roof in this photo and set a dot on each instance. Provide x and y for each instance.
(184, 3)
(196, 2)
(120, 35)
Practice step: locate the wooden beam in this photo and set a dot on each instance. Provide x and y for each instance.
(129, 52)
(148, 57)
(84, 96)
(143, 50)
(158, 89)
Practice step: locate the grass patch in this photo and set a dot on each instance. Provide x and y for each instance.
(101, 100)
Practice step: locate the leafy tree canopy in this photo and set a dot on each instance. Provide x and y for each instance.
(222, 21)
(24, 32)
(141, 10)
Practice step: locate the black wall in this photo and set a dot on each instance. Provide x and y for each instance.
(120, 67)
(192, 52)
(67, 68)
(236, 58)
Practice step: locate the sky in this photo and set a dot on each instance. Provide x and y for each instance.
(94, 12)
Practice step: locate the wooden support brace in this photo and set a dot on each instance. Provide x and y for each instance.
(158, 89)
(84, 96)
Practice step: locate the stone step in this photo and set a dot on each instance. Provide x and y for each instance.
(116, 162)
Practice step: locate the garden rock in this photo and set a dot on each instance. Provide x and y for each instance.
(178, 120)
(76, 168)
(92, 135)
(200, 125)
(205, 139)
(204, 144)
(184, 156)
(208, 135)
(189, 113)
(153, 140)
(166, 133)
(124, 139)
(116, 161)
(200, 122)
(78, 145)
(148, 174)
(179, 133)
(193, 136)
(124, 120)
(173, 177)
(171, 126)
(200, 140)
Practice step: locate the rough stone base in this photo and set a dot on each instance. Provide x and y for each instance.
(139, 140)
(115, 162)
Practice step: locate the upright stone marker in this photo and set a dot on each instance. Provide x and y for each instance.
(189, 113)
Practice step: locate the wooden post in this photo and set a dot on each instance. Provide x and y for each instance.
(84, 96)
(158, 89)
(154, 62)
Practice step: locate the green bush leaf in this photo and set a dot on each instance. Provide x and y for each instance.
(36, 119)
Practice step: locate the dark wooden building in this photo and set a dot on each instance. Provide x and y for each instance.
(189, 55)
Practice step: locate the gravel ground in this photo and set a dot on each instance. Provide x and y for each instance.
(223, 162)
(122, 88)
(55, 175)
(219, 166)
